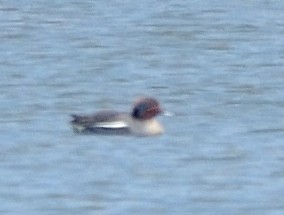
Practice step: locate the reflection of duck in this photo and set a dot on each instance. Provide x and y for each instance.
(139, 122)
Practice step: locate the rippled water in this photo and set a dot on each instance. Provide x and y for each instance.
(218, 65)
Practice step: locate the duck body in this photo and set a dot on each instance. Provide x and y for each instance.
(140, 121)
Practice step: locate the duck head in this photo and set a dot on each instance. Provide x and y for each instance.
(146, 108)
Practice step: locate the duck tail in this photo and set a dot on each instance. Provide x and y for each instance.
(75, 118)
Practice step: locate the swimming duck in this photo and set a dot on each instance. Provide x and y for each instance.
(140, 121)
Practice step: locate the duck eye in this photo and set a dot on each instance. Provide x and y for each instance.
(139, 111)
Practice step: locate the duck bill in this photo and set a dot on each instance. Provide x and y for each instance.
(166, 113)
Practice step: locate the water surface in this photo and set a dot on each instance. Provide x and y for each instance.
(218, 65)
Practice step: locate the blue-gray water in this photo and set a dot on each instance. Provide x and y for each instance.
(218, 65)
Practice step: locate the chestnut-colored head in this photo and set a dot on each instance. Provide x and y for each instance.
(146, 108)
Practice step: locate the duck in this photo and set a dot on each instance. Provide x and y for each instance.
(140, 121)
